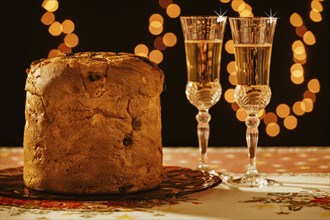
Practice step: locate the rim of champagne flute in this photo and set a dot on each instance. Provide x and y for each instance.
(253, 18)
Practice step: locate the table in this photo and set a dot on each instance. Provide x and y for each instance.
(304, 194)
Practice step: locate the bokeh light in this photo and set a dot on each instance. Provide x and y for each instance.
(231, 67)
(50, 5)
(54, 53)
(155, 28)
(307, 105)
(272, 129)
(71, 40)
(316, 6)
(301, 30)
(159, 44)
(297, 109)
(156, 17)
(165, 3)
(261, 114)
(229, 95)
(241, 114)
(314, 86)
(309, 38)
(63, 48)
(234, 106)
(283, 110)
(141, 50)
(229, 47)
(48, 18)
(297, 80)
(296, 20)
(156, 56)
(297, 70)
(173, 10)
(315, 16)
(270, 117)
(232, 79)
(67, 26)
(169, 39)
(55, 28)
(310, 95)
(297, 46)
(235, 4)
(290, 122)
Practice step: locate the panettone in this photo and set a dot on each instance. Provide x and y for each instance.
(93, 124)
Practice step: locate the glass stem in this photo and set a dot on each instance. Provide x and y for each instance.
(252, 134)
(203, 132)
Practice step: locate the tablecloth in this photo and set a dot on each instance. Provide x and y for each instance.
(304, 173)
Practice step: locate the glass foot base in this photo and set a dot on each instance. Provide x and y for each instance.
(212, 170)
(225, 177)
(254, 181)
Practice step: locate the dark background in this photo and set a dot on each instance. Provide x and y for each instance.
(104, 25)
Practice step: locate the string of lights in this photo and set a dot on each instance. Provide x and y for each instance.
(285, 115)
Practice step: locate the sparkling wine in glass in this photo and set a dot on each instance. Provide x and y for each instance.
(253, 40)
(203, 36)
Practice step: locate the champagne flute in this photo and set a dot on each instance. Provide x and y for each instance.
(203, 36)
(253, 40)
